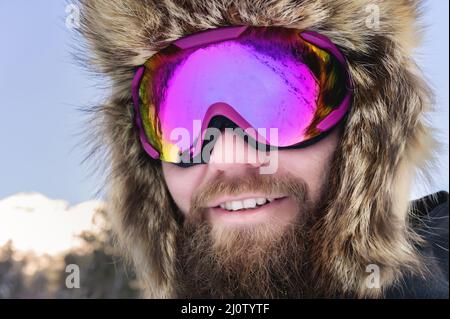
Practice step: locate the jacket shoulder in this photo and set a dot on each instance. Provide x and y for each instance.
(428, 204)
(430, 221)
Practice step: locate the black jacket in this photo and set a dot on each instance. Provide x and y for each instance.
(432, 224)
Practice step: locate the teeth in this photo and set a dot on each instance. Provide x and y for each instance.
(248, 203)
(236, 205)
(261, 201)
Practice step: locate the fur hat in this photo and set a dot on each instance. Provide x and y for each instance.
(386, 138)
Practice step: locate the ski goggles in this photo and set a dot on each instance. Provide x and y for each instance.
(283, 87)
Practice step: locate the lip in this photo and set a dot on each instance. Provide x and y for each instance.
(240, 197)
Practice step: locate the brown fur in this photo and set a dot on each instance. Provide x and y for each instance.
(385, 139)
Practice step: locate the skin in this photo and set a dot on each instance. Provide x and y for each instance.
(310, 164)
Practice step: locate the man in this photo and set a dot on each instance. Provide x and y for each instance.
(317, 208)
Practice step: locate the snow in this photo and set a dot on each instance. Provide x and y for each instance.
(45, 226)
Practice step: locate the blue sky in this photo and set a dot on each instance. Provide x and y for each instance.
(41, 90)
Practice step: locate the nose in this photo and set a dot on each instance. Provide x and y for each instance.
(233, 154)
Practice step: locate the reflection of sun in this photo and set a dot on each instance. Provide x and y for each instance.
(44, 226)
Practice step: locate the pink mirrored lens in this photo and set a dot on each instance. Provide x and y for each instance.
(263, 90)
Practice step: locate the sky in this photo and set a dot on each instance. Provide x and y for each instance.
(42, 89)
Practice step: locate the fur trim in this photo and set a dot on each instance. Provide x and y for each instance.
(385, 140)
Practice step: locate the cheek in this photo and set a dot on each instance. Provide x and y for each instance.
(311, 163)
(182, 183)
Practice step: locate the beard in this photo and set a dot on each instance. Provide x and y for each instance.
(256, 261)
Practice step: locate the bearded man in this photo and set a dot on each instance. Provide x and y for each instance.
(266, 149)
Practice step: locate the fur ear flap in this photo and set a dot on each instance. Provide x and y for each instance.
(138, 203)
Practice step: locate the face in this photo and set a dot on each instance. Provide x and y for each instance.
(247, 213)
(238, 221)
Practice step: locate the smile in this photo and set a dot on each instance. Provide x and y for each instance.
(249, 203)
(252, 209)
(245, 204)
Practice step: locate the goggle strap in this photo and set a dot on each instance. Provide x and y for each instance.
(209, 36)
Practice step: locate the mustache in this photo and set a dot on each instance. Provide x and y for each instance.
(270, 185)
